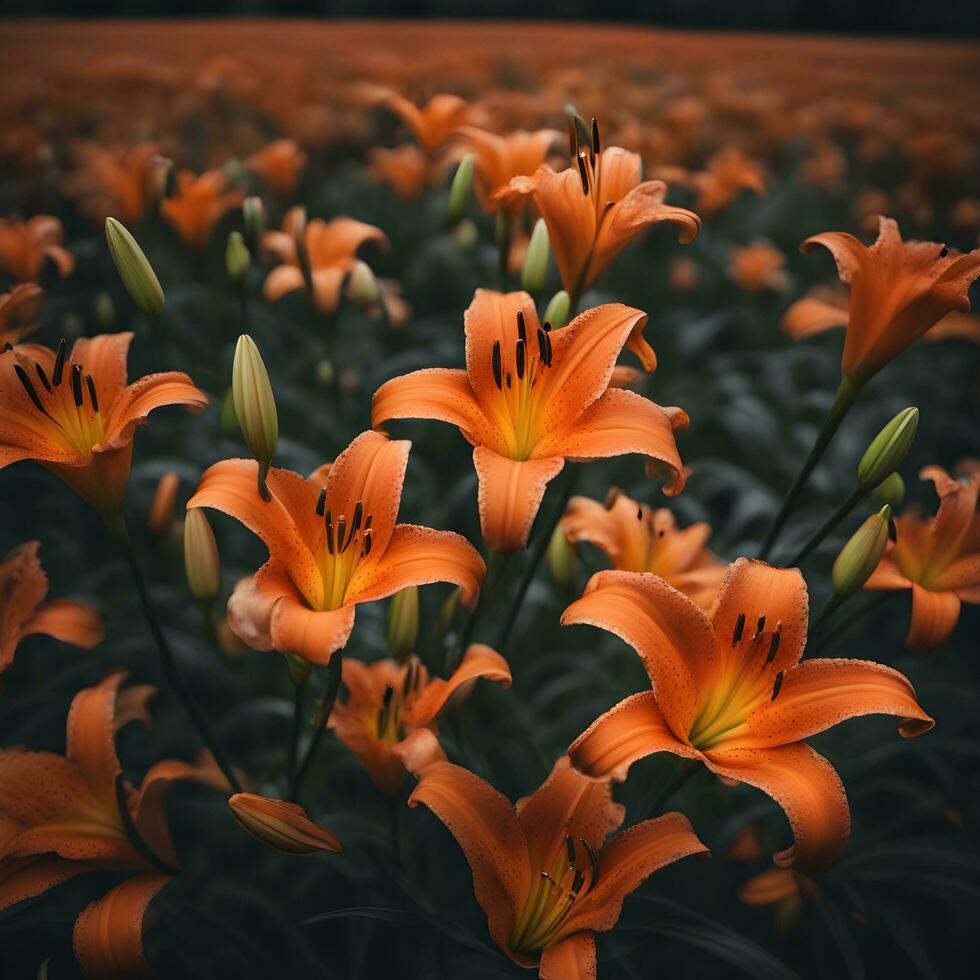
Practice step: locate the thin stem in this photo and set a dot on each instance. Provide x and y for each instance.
(323, 712)
(498, 564)
(846, 395)
(170, 668)
(299, 692)
(864, 610)
(685, 771)
(838, 515)
(540, 548)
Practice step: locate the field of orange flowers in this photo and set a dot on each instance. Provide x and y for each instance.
(481, 498)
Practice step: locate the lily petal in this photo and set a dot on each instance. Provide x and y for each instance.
(572, 958)
(934, 617)
(68, 621)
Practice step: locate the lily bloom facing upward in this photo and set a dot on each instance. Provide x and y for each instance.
(544, 871)
(198, 205)
(331, 248)
(19, 312)
(278, 165)
(333, 543)
(532, 397)
(432, 123)
(637, 538)
(76, 416)
(731, 692)
(386, 701)
(899, 290)
(937, 558)
(23, 611)
(596, 208)
(25, 247)
(63, 816)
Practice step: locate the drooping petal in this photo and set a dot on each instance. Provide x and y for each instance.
(809, 316)
(934, 617)
(26, 878)
(154, 391)
(327, 285)
(571, 958)
(314, 636)
(334, 242)
(104, 358)
(68, 621)
(887, 577)
(281, 280)
(807, 788)
(91, 736)
(771, 886)
(955, 517)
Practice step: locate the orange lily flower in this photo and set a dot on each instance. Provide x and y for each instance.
(331, 247)
(63, 816)
(498, 159)
(637, 538)
(386, 701)
(433, 123)
(937, 558)
(25, 246)
(730, 691)
(757, 267)
(19, 312)
(543, 871)
(76, 415)
(279, 165)
(594, 210)
(333, 543)
(532, 397)
(405, 169)
(729, 172)
(783, 888)
(899, 290)
(112, 181)
(23, 611)
(199, 203)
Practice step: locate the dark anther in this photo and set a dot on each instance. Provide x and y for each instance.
(577, 882)
(639, 513)
(329, 524)
(510, 380)
(42, 376)
(572, 138)
(495, 362)
(341, 531)
(76, 384)
(570, 851)
(321, 502)
(739, 629)
(389, 694)
(773, 647)
(521, 327)
(542, 345)
(777, 685)
(547, 326)
(521, 357)
(548, 351)
(409, 682)
(943, 252)
(366, 539)
(7, 346)
(584, 174)
(596, 146)
(29, 388)
(358, 514)
(59, 362)
(92, 394)
(759, 627)
(593, 860)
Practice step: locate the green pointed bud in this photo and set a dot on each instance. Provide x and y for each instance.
(558, 309)
(134, 269)
(325, 372)
(860, 556)
(362, 287)
(201, 562)
(891, 491)
(562, 560)
(403, 622)
(234, 171)
(253, 213)
(446, 613)
(535, 270)
(105, 312)
(228, 421)
(466, 234)
(162, 178)
(255, 406)
(237, 258)
(299, 669)
(888, 449)
(461, 188)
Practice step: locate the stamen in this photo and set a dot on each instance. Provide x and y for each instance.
(321, 502)
(547, 362)
(639, 513)
(612, 495)
(777, 685)
(341, 531)
(596, 146)
(593, 860)
(42, 376)
(570, 851)
(7, 346)
(577, 883)
(356, 523)
(572, 138)
(76, 384)
(92, 394)
(547, 326)
(739, 629)
(759, 627)
(542, 345)
(29, 388)
(59, 362)
(551, 881)
(510, 380)
(944, 251)
(584, 174)
(495, 363)
(521, 328)
(773, 645)
(521, 357)
(407, 682)
(329, 534)
(366, 542)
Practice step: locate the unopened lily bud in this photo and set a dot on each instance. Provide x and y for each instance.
(163, 178)
(888, 449)
(255, 406)
(134, 269)
(280, 825)
(461, 188)
(558, 309)
(535, 270)
(891, 491)
(466, 234)
(105, 312)
(325, 372)
(201, 562)
(403, 622)
(253, 213)
(161, 516)
(228, 420)
(362, 287)
(237, 258)
(234, 171)
(562, 560)
(860, 556)
(446, 612)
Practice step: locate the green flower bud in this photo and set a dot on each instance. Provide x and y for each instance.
(446, 612)
(562, 560)
(461, 188)
(466, 234)
(403, 622)
(536, 263)
(105, 312)
(253, 213)
(558, 309)
(134, 269)
(860, 556)
(888, 449)
(891, 491)
(237, 258)
(201, 562)
(325, 371)
(255, 405)
(362, 287)
(228, 420)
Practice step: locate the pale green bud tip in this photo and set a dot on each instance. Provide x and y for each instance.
(134, 269)
(861, 555)
(558, 309)
(255, 404)
(362, 289)
(536, 264)
(237, 257)
(299, 669)
(562, 560)
(403, 622)
(891, 491)
(888, 449)
(461, 187)
(201, 561)
(253, 214)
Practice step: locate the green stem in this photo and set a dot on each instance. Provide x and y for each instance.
(323, 712)
(170, 668)
(498, 563)
(685, 771)
(299, 691)
(857, 495)
(846, 395)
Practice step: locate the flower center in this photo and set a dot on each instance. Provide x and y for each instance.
(553, 896)
(388, 724)
(345, 545)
